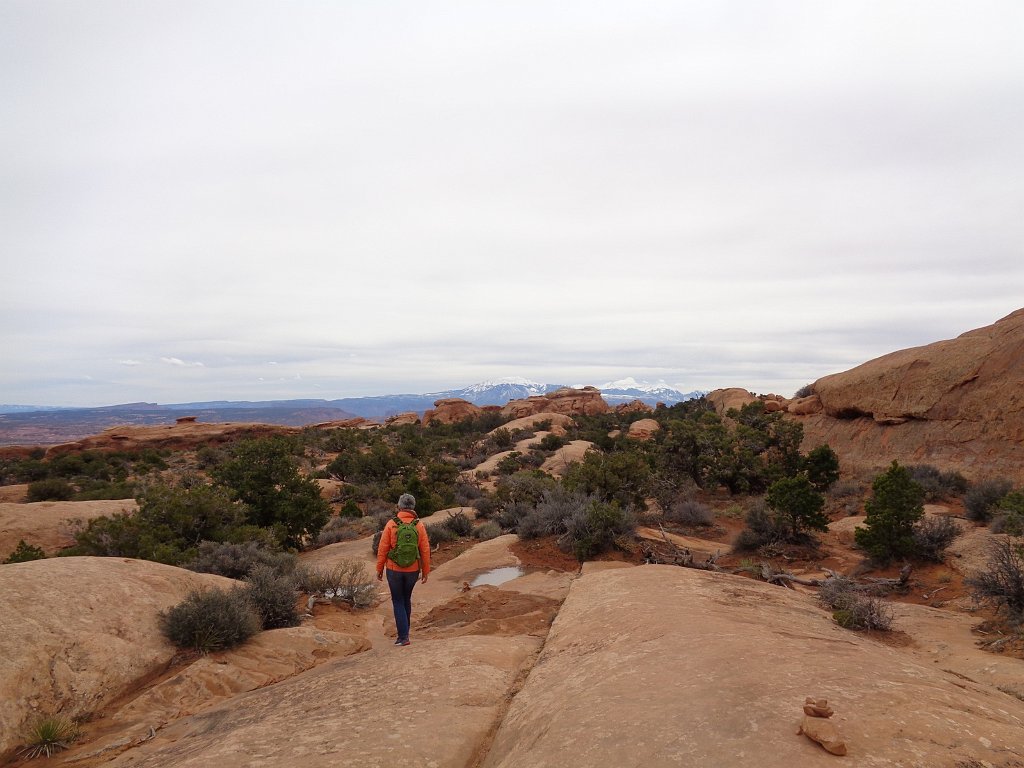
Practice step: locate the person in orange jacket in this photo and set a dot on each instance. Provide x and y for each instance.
(402, 578)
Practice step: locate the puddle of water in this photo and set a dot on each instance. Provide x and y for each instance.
(498, 576)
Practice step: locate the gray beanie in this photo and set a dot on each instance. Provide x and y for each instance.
(407, 501)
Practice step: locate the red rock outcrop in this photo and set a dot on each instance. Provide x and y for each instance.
(451, 409)
(586, 401)
(643, 429)
(181, 435)
(401, 419)
(634, 406)
(956, 404)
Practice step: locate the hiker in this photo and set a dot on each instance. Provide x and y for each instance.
(405, 550)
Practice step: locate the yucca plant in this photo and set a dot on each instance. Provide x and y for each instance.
(49, 735)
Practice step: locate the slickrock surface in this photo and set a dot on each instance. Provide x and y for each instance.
(77, 632)
(660, 666)
(48, 524)
(559, 421)
(360, 712)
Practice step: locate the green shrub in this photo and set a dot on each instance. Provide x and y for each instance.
(350, 509)
(211, 620)
(895, 505)
(339, 529)
(51, 489)
(273, 596)
(932, 535)
(487, 531)
(1002, 582)
(25, 552)
(502, 438)
(623, 477)
(595, 530)
(99, 490)
(236, 561)
(510, 464)
(982, 500)
(486, 506)
(552, 442)
(1010, 519)
(47, 736)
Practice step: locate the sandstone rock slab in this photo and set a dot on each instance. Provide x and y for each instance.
(77, 632)
(656, 665)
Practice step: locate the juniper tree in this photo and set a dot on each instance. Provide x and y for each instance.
(896, 503)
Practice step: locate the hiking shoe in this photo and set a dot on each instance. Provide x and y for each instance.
(403, 642)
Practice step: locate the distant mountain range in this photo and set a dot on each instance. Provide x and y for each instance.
(30, 425)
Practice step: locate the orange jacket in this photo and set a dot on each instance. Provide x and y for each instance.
(389, 538)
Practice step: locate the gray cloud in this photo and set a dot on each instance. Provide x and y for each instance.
(410, 196)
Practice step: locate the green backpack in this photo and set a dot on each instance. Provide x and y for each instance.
(407, 543)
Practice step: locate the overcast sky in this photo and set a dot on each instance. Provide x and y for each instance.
(256, 200)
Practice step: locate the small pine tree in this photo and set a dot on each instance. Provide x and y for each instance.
(897, 502)
(798, 505)
(822, 467)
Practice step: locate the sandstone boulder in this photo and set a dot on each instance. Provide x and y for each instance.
(726, 399)
(450, 410)
(804, 406)
(643, 429)
(77, 632)
(402, 419)
(956, 404)
(716, 669)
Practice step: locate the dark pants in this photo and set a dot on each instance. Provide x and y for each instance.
(401, 584)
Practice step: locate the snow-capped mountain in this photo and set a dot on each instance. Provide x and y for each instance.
(625, 390)
(498, 391)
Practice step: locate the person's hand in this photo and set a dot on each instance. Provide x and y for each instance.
(380, 575)
(424, 578)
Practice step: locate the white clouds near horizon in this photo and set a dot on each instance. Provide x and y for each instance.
(405, 197)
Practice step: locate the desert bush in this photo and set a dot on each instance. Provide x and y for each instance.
(763, 529)
(937, 485)
(852, 609)
(595, 529)
(689, 512)
(50, 489)
(623, 477)
(273, 596)
(486, 506)
(845, 489)
(982, 500)
(510, 464)
(211, 620)
(346, 580)
(459, 524)
(551, 442)
(466, 493)
(896, 503)
(47, 736)
(236, 561)
(96, 490)
(502, 438)
(350, 509)
(932, 535)
(1010, 518)
(487, 531)
(805, 391)
(1001, 584)
(375, 541)
(25, 552)
(439, 533)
